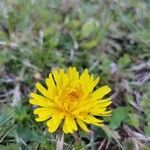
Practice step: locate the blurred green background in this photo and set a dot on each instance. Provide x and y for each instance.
(109, 37)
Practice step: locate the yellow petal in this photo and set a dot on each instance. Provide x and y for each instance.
(91, 84)
(50, 83)
(43, 112)
(61, 73)
(73, 74)
(87, 106)
(82, 125)
(39, 119)
(56, 75)
(54, 123)
(105, 113)
(84, 76)
(42, 102)
(101, 92)
(38, 97)
(65, 80)
(41, 99)
(100, 112)
(67, 127)
(97, 110)
(73, 124)
(104, 103)
(91, 119)
(95, 82)
(65, 130)
(42, 90)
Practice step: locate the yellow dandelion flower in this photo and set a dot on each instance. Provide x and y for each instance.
(70, 102)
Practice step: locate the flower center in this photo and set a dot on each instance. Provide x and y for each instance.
(74, 95)
(69, 99)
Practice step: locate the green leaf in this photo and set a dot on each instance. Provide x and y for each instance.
(119, 115)
(50, 38)
(147, 130)
(88, 28)
(65, 42)
(2, 57)
(5, 115)
(73, 24)
(124, 61)
(134, 120)
(10, 147)
(20, 113)
(29, 135)
(90, 44)
(106, 61)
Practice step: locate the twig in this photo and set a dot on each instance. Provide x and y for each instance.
(8, 44)
(101, 145)
(60, 142)
(89, 145)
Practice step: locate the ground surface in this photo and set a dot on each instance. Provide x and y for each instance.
(111, 38)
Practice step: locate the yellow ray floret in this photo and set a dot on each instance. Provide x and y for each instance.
(69, 101)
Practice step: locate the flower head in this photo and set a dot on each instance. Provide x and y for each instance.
(70, 102)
